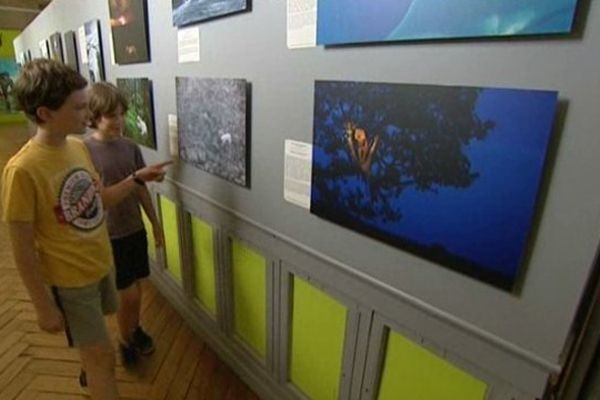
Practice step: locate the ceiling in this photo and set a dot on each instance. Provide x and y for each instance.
(17, 14)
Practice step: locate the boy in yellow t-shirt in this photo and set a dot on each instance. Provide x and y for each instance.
(51, 196)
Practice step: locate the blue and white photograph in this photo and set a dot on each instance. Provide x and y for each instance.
(211, 120)
(449, 173)
(360, 21)
(93, 45)
(186, 12)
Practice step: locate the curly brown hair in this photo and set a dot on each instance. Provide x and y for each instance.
(104, 100)
(45, 83)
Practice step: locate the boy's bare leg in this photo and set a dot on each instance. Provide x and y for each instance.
(99, 363)
(128, 314)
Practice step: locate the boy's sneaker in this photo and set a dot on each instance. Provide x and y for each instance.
(142, 342)
(82, 379)
(128, 355)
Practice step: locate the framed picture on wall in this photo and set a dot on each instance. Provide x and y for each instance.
(129, 25)
(139, 120)
(93, 43)
(449, 173)
(186, 12)
(358, 21)
(56, 47)
(211, 120)
(44, 48)
(9, 70)
(70, 53)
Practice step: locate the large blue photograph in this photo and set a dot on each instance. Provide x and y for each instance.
(449, 173)
(186, 12)
(359, 21)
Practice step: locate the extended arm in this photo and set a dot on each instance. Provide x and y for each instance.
(21, 237)
(114, 194)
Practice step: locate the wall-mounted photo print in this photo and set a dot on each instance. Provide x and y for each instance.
(70, 47)
(451, 174)
(9, 69)
(44, 47)
(56, 48)
(211, 119)
(139, 120)
(359, 21)
(186, 12)
(93, 44)
(129, 25)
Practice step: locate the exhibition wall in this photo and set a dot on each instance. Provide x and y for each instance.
(275, 288)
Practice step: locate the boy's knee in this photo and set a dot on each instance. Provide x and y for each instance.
(98, 355)
(130, 295)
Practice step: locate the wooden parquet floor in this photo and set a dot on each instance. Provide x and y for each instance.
(38, 366)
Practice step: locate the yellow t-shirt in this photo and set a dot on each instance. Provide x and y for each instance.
(55, 188)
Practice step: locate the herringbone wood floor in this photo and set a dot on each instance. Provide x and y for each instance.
(39, 366)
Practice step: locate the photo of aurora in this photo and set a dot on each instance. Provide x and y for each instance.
(358, 21)
(449, 173)
(186, 12)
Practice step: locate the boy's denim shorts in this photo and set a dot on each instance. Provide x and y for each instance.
(84, 309)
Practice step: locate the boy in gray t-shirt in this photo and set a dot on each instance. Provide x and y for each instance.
(115, 158)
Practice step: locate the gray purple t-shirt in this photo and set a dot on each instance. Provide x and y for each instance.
(115, 160)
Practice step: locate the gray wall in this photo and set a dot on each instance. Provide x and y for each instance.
(534, 322)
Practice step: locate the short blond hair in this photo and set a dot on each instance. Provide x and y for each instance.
(104, 100)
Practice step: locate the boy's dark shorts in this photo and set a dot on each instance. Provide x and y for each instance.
(131, 258)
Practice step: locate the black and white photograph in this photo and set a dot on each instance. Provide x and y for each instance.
(212, 126)
(93, 45)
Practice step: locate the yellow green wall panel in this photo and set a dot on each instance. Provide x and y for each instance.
(150, 235)
(8, 64)
(249, 273)
(168, 211)
(317, 341)
(7, 49)
(12, 118)
(204, 264)
(413, 372)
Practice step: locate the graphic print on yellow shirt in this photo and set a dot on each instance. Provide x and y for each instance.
(55, 189)
(79, 202)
